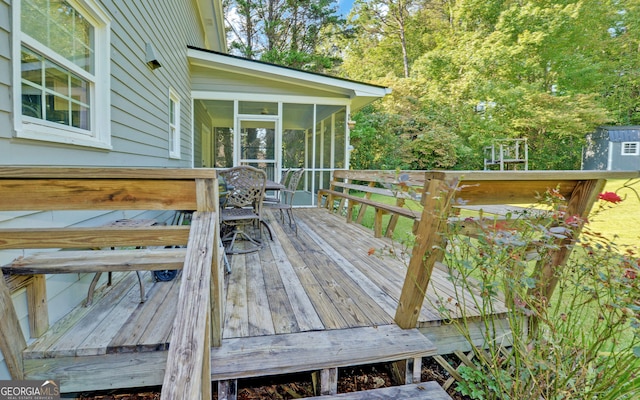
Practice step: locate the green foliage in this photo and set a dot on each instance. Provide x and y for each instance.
(375, 143)
(549, 71)
(284, 32)
(581, 343)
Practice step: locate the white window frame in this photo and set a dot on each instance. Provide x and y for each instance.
(99, 135)
(174, 125)
(624, 152)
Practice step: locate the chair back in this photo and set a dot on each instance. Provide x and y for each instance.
(294, 179)
(245, 186)
(292, 186)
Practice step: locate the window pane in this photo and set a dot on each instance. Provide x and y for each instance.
(257, 108)
(56, 79)
(297, 120)
(57, 25)
(223, 156)
(31, 101)
(339, 141)
(31, 66)
(33, 17)
(172, 112)
(80, 116)
(57, 109)
(257, 140)
(79, 90)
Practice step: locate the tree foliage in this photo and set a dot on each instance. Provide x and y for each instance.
(471, 71)
(549, 71)
(285, 32)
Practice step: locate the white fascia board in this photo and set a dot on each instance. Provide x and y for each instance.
(212, 20)
(283, 74)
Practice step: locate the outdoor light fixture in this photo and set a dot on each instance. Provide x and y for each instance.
(150, 57)
(351, 124)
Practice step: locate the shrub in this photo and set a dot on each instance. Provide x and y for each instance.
(582, 342)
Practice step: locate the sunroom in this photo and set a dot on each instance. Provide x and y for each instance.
(247, 112)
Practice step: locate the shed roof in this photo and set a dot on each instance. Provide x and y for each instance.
(622, 133)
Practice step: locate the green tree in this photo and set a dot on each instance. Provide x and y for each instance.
(285, 32)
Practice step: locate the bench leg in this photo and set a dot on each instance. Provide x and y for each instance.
(143, 297)
(92, 288)
(228, 390)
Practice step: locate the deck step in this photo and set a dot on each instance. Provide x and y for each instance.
(310, 351)
(416, 391)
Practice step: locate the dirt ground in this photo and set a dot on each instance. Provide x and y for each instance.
(297, 386)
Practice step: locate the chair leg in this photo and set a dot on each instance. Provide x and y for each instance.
(266, 225)
(292, 220)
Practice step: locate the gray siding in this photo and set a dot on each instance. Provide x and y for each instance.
(626, 162)
(139, 96)
(5, 73)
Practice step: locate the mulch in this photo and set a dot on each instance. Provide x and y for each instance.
(295, 386)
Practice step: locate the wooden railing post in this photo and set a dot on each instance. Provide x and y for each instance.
(12, 341)
(579, 204)
(427, 249)
(189, 357)
(199, 315)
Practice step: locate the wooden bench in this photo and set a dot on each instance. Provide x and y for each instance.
(398, 186)
(141, 247)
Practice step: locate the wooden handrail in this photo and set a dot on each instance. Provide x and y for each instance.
(189, 352)
(443, 189)
(199, 320)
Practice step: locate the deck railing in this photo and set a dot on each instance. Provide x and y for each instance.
(198, 324)
(445, 192)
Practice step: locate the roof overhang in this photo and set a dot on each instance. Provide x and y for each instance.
(359, 93)
(212, 20)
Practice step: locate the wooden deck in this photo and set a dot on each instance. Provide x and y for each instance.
(289, 308)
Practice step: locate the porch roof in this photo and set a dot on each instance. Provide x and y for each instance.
(359, 93)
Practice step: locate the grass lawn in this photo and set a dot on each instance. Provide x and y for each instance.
(619, 223)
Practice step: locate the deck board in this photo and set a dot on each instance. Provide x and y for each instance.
(280, 354)
(259, 313)
(320, 284)
(303, 310)
(134, 328)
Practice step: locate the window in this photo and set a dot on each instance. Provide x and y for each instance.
(174, 125)
(63, 51)
(630, 148)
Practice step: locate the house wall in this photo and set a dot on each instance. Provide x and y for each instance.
(139, 123)
(5, 67)
(139, 95)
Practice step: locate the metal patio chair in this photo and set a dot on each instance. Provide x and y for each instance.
(286, 198)
(242, 209)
